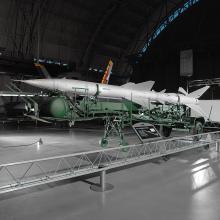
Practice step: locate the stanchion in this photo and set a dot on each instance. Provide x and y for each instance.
(102, 186)
(217, 146)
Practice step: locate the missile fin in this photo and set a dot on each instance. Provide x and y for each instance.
(182, 90)
(198, 93)
(128, 85)
(148, 85)
(144, 86)
(163, 91)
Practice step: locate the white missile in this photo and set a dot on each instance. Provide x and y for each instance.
(139, 93)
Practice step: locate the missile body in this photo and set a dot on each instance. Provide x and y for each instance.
(141, 97)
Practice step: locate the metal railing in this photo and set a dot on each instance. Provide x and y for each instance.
(20, 175)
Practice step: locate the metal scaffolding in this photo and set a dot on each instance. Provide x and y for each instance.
(20, 175)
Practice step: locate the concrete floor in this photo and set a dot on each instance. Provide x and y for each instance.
(185, 187)
(17, 144)
(20, 144)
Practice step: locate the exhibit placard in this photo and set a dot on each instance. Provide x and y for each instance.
(146, 132)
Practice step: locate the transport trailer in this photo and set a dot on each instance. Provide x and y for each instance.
(167, 117)
(62, 108)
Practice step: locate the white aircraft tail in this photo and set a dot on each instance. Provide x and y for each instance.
(42, 69)
(108, 72)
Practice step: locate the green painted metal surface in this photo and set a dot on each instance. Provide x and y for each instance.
(63, 108)
(56, 107)
(108, 106)
(59, 107)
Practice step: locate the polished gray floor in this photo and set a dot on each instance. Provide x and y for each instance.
(20, 144)
(185, 187)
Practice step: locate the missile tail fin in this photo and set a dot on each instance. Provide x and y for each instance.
(163, 91)
(182, 90)
(198, 93)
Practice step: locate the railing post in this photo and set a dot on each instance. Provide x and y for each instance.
(217, 146)
(102, 186)
(103, 180)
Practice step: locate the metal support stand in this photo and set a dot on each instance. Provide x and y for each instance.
(102, 186)
(217, 147)
(113, 127)
(161, 130)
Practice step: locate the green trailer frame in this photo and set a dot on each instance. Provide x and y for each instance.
(119, 113)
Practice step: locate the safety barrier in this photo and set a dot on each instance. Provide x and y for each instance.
(24, 174)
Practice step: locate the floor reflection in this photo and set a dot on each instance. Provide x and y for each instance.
(203, 173)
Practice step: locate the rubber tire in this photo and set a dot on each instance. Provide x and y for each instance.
(166, 131)
(197, 129)
(103, 142)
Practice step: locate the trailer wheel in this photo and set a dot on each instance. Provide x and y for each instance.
(103, 142)
(166, 131)
(197, 129)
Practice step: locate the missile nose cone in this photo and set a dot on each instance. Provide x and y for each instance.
(40, 83)
(34, 82)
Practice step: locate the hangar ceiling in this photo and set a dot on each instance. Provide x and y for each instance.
(84, 33)
(196, 30)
